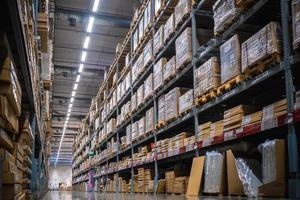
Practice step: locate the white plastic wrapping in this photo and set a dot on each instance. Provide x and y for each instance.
(268, 151)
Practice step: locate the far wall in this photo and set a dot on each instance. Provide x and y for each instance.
(60, 174)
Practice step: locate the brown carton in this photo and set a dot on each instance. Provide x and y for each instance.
(182, 8)
(169, 27)
(158, 40)
(195, 176)
(172, 103)
(296, 23)
(8, 115)
(148, 84)
(169, 69)
(184, 48)
(186, 101)
(158, 73)
(161, 109)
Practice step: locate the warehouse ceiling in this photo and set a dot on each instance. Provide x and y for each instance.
(72, 18)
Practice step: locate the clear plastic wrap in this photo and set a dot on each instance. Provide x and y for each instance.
(268, 151)
(148, 84)
(141, 29)
(111, 125)
(169, 27)
(140, 95)
(128, 134)
(134, 130)
(148, 53)
(148, 15)
(230, 53)
(158, 73)
(186, 101)
(158, 40)
(161, 108)
(184, 48)
(182, 8)
(265, 42)
(137, 67)
(149, 120)
(127, 60)
(296, 23)
(169, 69)
(141, 126)
(133, 102)
(135, 39)
(128, 81)
(158, 6)
(214, 163)
(224, 12)
(249, 180)
(172, 103)
(207, 77)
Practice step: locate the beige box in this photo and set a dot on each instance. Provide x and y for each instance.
(158, 6)
(8, 115)
(141, 126)
(169, 27)
(184, 48)
(128, 81)
(182, 8)
(161, 108)
(158, 73)
(148, 15)
(141, 30)
(296, 23)
(186, 101)
(158, 40)
(133, 102)
(134, 130)
(140, 95)
(148, 84)
(230, 53)
(207, 77)
(149, 120)
(262, 44)
(169, 69)
(135, 39)
(172, 102)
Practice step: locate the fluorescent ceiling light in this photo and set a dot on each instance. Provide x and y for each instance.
(69, 110)
(86, 42)
(95, 6)
(68, 118)
(68, 115)
(90, 24)
(80, 68)
(75, 86)
(83, 56)
(78, 78)
(72, 99)
(73, 93)
(70, 105)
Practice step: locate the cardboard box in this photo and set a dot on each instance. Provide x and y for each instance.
(148, 53)
(184, 48)
(182, 8)
(141, 29)
(8, 166)
(135, 39)
(5, 140)
(296, 23)
(169, 27)
(186, 101)
(172, 102)
(262, 44)
(158, 39)
(169, 69)
(5, 155)
(158, 6)
(141, 126)
(12, 177)
(8, 115)
(148, 84)
(140, 95)
(207, 77)
(158, 73)
(13, 189)
(149, 124)
(195, 176)
(133, 101)
(148, 15)
(230, 53)
(161, 108)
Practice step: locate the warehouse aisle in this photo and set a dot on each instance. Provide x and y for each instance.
(61, 195)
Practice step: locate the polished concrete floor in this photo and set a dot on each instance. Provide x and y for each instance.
(57, 195)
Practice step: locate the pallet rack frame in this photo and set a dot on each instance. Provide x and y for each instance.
(200, 54)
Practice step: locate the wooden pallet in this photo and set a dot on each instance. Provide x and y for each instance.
(184, 64)
(170, 36)
(160, 124)
(158, 88)
(262, 65)
(174, 118)
(206, 97)
(226, 25)
(167, 80)
(244, 4)
(232, 83)
(182, 20)
(185, 112)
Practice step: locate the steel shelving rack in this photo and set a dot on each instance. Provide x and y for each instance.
(280, 75)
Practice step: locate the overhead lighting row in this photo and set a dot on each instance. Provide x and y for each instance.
(80, 70)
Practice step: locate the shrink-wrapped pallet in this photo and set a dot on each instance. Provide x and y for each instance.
(135, 39)
(119, 92)
(128, 134)
(169, 27)
(141, 29)
(149, 120)
(114, 97)
(213, 172)
(148, 53)
(158, 6)
(224, 12)
(230, 53)
(182, 8)
(161, 108)
(128, 108)
(128, 81)
(296, 23)
(140, 95)
(127, 60)
(184, 48)
(148, 84)
(137, 67)
(207, 77)
(134, 102)
(158, 40)
(169, 69)
(158, 73)
(172, 103)
(141, 126)
(111, 125)
(123, 90)
(147, 16)
(262, 44)
(186, 101)
(134, 131)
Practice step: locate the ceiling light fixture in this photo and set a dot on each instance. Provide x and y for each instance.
(70, 105)
(95, 6)
(73, 93)
(86, 42)
(69, 110)
(75, 86)
(90, 24)
(80, 68)
(78, 78)
(68, 115)
(83, 56)
(71, 100)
